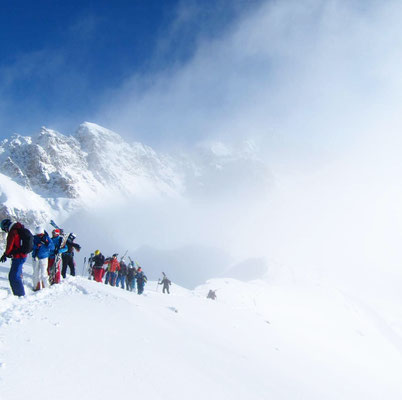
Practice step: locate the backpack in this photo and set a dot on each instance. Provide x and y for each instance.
(26, 238)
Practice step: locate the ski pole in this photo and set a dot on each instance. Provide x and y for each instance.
(83, 267)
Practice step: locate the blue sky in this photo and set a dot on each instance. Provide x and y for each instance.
(302, 78)
(59, 58)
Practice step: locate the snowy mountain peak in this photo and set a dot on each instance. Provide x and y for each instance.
(46, 131)
(92, 164)
(17, 140)
(90, 134)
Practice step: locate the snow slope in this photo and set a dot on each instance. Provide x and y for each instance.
(85, 340)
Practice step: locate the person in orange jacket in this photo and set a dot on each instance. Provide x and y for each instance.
(113, 268)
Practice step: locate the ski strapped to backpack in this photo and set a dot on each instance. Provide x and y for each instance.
(55, 226)
(90, 266)
(65, 236)
(53, 270)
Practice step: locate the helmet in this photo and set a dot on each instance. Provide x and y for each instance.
(38, 230)
(97, 252)
(56, 232)
(5, 224)
(115, 255)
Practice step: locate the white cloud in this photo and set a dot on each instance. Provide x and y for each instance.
(309, 73)
(317, 86)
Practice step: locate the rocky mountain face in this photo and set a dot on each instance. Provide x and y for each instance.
(73, 171)
(51, 174)
(56, 165)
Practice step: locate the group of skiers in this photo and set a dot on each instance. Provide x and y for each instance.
(116, 273)
(49, 252)
(119, 274)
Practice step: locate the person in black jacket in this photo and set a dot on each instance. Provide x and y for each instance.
(131, 275)
(98, 260)
(68, 256)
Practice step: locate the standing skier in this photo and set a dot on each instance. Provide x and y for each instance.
(15, 250)
(113, 267)
(131, 273)
(141, 280)
(98, 260)
(166, 283)
(68, 256)
(211, 295)
(42, 246)
(121, 274)
(53, 268)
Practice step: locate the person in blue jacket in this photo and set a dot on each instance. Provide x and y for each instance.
(53, 268)
(42, 246)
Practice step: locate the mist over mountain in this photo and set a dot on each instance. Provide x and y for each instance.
(121, 196)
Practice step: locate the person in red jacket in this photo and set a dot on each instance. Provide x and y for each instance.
(112, 268)
(13, 250)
